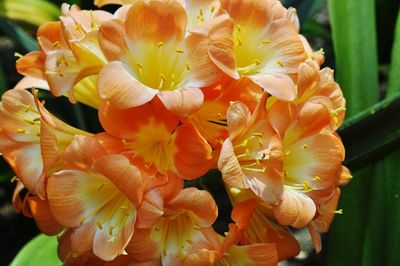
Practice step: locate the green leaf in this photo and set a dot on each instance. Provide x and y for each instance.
(355, 45)
(381, 239)
(34, 12)
(19, 35)
(394, 72)
(42, 250)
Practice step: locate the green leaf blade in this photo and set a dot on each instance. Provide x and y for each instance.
(42, 250)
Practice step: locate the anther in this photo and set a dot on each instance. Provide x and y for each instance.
(280, 63)
(257, 62)
(318, 178)
(160, 44)
(179, 51)
(266, 42)
(287, 152)
(18, 55)
(305, 146)
(15, 178)
(201, 12)
(100, 186)
(339, 211)
(307, 185)
(20, 130)
(99, 225)
(82, 220)
(187, 66)
(110, 229)
(212, 8)
(29, 121)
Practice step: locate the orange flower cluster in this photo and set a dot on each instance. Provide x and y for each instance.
(181, 87)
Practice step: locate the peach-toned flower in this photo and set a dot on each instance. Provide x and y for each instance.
(31, 139)
(218, 250)
(70, 53)
(252, 156)
(313, 82)
(134, 80)
(262, 226)
(97, 195)
(210, 120)
(185, 214)
(313, 158)
(151, 133)
(260, 43)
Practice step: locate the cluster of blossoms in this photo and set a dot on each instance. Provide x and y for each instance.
(181, 87)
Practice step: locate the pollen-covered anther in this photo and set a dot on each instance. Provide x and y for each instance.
(280, 63)
(318, 178)
(340, 211)
(305, 146)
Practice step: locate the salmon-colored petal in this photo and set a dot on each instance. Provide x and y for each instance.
(200, 202)
(308, 79)
(295, 209)
(50, 36)
(142, 248)
(112, 40)
(101, 3)
(315, 237)
(29, 83)
(344, 176)
(107, 248)
(81, 239)
(202, 257)
(210, 49)
(238, 118)
(327, 211)
(125, 176)
(150, 209)
(17, 202)
(183, 101)
(127, 92)
(279, 85)
(230, 168)
(155, 21)
(65, 201)
(43, 217)
(316, 165)
(256, 254)
(281, 115)
(82, 152)
(197, 162)
(32, 64)
(242, 212)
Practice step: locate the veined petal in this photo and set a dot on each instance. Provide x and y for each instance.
(192, 158)
(183, 101)
(295, 209)
(127, 92)
(112, 40)
(32, 65)
(279, 85)
(155, 21)
(44, 219)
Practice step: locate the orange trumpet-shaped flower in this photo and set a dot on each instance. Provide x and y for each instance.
(261, 43)
(313, 82)
(151, 133)
(210, 120)
(153, 31)
(252, 156)
(185, 214)
(31, 139)
(313, 157)
(226, 251)
(69, 53)
(97, 195)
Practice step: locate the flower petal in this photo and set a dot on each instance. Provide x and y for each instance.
(183, 101)
(279, 85)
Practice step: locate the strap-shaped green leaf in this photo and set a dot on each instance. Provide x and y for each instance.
(354, 37)
(42, 250)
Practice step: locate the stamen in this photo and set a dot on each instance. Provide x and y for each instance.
(280, 63)
(18, 55)
(257, 62)
(20, 130)
(239, 27)
(187, 66)
(110, 229)
(82, 220)
(179, 51)
(15, 178)
(99, 225)
(29, 121)
(287, 152)
(256, 170)
(307, 186)
(100, 186)
(305, 146)
(239, 41)
(196, 227)
(338, 211)
(318, 178)
(266, 42)
(160, 44)
(212, 8)
(201, 12)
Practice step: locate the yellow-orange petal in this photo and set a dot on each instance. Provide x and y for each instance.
(150, 209)
(192, 158)
(127, 92)
(279, 85)
(112, 40)
(44, 219)
(32, 64)
(155, 21)
(199, 202)
(295, 209)
(182, 101)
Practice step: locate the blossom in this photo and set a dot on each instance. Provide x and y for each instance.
(131, 80)
(96, 194)
(151, 133)
(32, 140)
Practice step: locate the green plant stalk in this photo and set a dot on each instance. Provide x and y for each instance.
(354, 36)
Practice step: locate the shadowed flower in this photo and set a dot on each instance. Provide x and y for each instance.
(31, 139)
